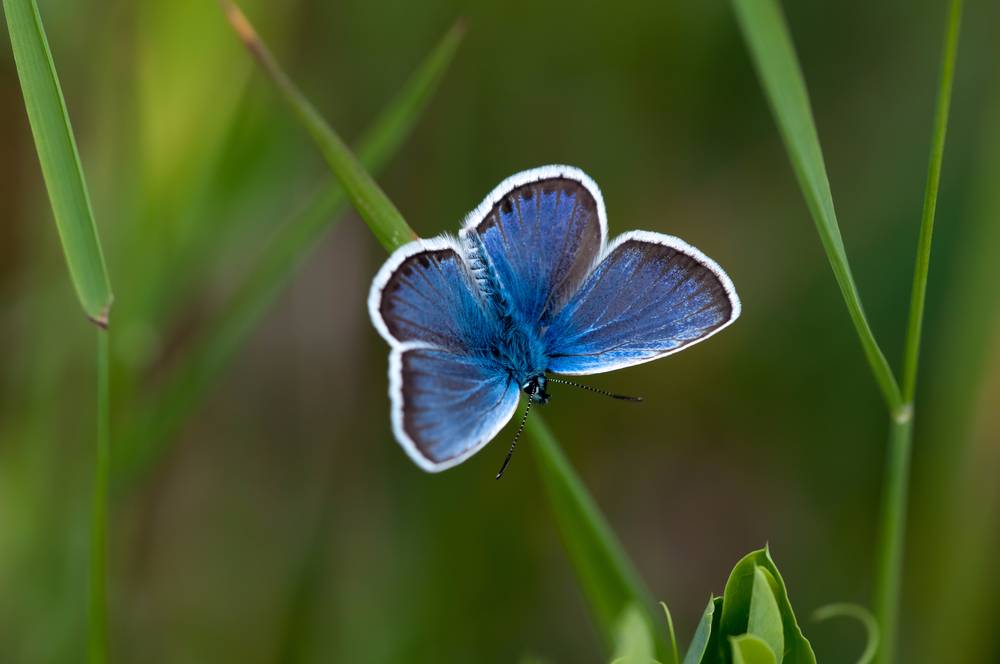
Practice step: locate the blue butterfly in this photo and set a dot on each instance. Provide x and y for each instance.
(531, 287)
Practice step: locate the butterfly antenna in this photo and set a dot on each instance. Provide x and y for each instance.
(517, 435)
(621, 397)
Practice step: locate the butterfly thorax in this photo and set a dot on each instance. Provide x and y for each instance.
(515, 345)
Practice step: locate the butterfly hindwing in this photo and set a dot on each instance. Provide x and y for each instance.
(651, 295)
(446, 406)
(541, 231)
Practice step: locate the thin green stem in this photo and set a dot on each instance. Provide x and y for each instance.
(98, 623)
(892, 532)
(911, 356)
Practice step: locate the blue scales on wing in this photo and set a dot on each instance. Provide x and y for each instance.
(429, 296)
(448, 406)
(538, 238)
(650, 296)
(449, 397)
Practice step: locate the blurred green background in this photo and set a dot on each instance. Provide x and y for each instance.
(282, 523)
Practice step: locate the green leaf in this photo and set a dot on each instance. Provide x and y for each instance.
(608, 577)
(765, 616)
(707, 627)
(737, 599)
(156, 419)
(59, 159)
(367, 198)
(750, 649)
(634, 642)
(862, 615)
(766, 34)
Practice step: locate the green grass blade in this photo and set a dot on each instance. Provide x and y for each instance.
(98, 632)
(59, 159)
(911, 354)
(375, 208)
(770, 45)
(186, 386)
(608, 577)
(63, 175)
(610, 581)
(673, 654)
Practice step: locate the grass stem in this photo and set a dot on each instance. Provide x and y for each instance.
(892, 532)
(98, 601)
(895, 497)
(911, 354)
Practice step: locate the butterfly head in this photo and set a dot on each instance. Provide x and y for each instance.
(534, 387)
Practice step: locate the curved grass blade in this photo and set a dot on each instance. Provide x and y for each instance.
(607, 575)
(770, 46)
(186, 386)
(673, 654)
(59, 159)
(862, 615)
(610, 581)
(375, 208)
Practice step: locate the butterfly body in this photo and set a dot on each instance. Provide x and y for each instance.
(530, 288)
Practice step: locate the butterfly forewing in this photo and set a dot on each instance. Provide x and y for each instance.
(650, 296)
(426, 293)
(541, 232)
(530, 289)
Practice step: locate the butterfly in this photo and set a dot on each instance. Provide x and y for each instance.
(530, 290)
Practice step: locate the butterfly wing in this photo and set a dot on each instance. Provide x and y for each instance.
(539, 232)
(445, 406)
(651, 295)
(447, 401)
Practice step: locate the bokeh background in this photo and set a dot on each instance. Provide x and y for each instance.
(282, 523)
